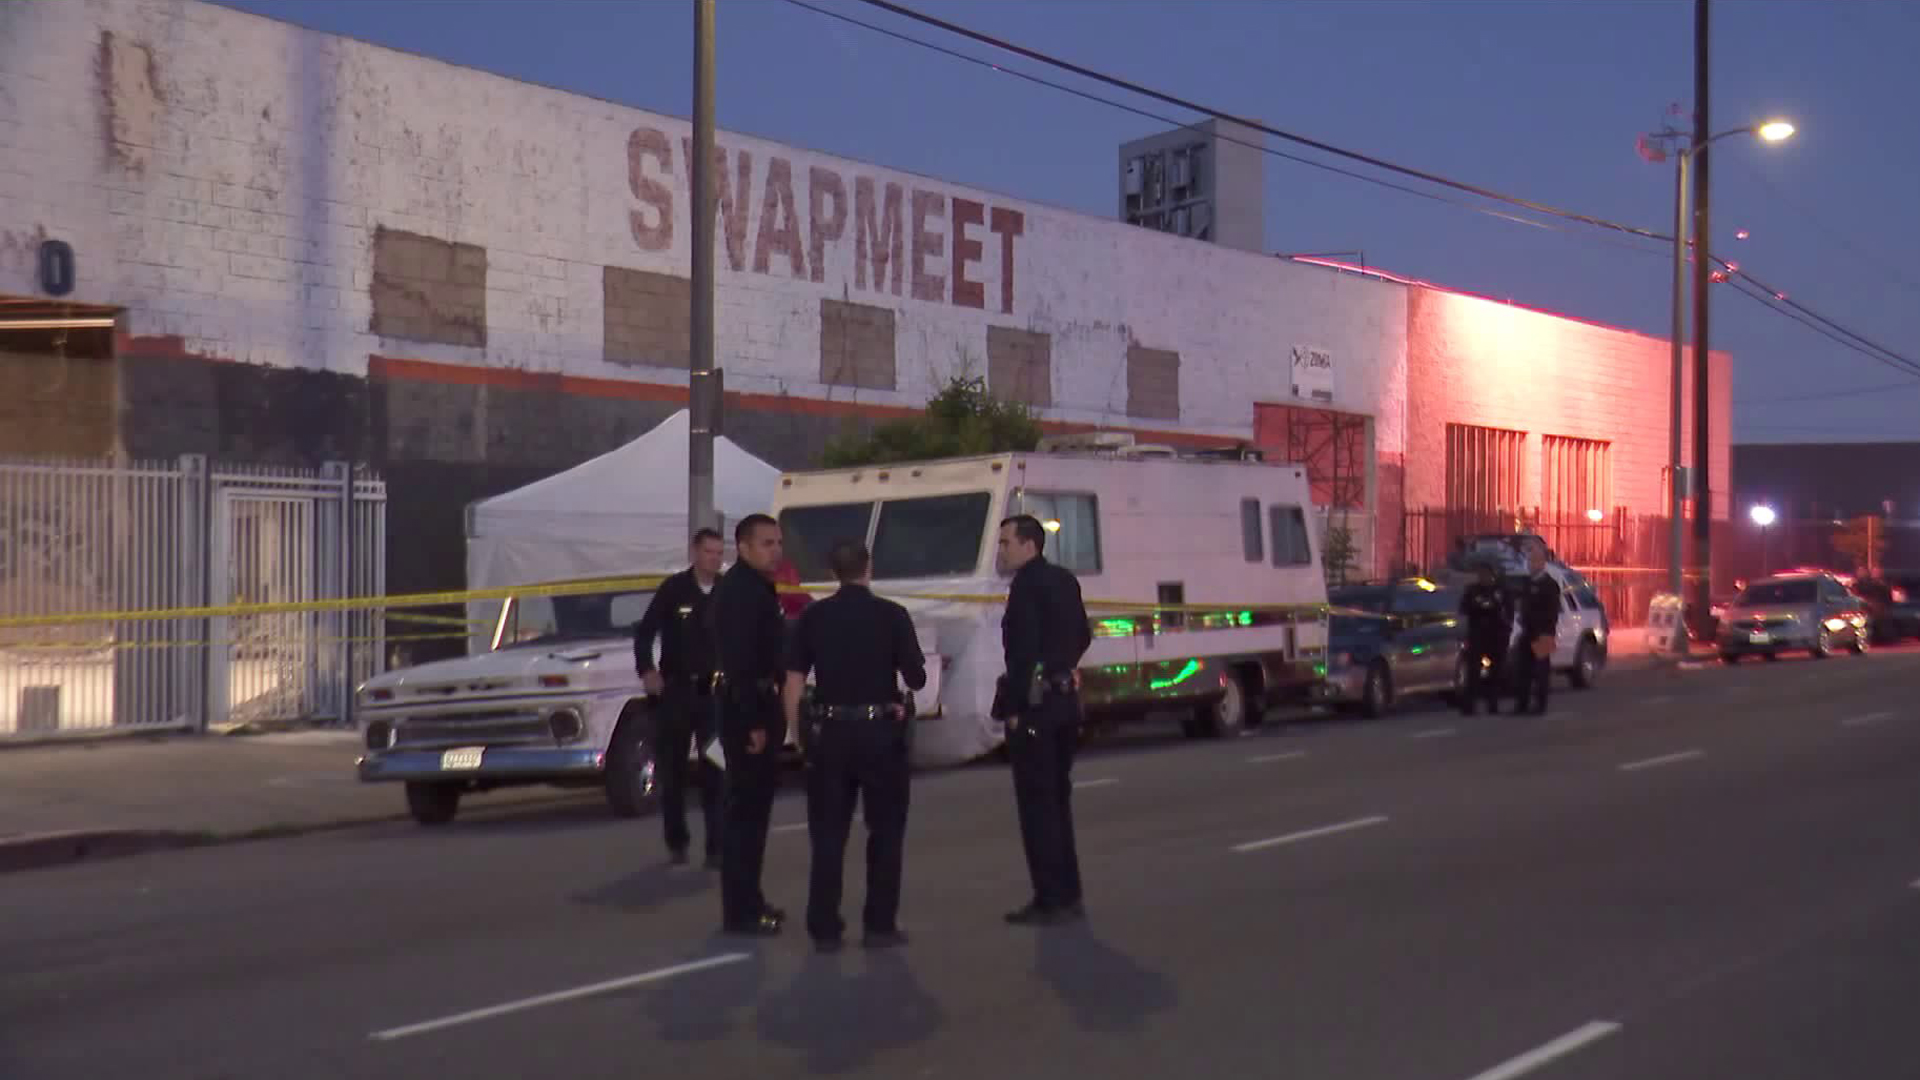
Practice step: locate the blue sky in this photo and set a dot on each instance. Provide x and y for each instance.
(1537, 98)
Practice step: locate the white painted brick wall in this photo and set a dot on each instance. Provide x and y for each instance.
(1476, 361)
(237, 214)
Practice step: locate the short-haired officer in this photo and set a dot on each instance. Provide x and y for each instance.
(855, 737)
(749, 634)
(683, 687)
(1044, 633)
(1538, 622)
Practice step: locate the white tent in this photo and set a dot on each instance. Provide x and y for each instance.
(624, 512)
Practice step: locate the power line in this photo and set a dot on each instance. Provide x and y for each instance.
(1325, 147)
(1773, 300)
(1223, 137)
(1886, 266)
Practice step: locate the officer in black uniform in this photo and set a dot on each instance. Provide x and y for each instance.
(1044, 634)
(1489, 624)
(682, 687)
(855, 736)
(749, 631)
(1539, 621)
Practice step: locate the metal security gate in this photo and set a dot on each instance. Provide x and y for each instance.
(80, 537)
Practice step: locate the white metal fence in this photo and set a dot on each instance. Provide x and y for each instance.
(79, 537)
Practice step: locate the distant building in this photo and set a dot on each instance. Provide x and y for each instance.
(1207, 182)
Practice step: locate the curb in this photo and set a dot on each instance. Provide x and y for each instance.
(38, 851)
(35, 851)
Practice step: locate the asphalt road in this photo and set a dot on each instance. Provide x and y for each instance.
(1713, 873)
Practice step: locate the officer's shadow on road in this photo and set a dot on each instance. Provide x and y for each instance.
(1106, 990)
(702, 1006)
(647, 889)
(842, 1010)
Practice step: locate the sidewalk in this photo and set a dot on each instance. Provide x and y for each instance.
(61, 803)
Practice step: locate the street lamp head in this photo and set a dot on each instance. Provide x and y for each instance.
(1596, 515)
(1775, 131)
(1762, 515)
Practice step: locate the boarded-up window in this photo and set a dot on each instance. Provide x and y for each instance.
(1020, 366)
(1576, 475)
(1153, 383)
(856, 345)
(1484, 468)
(647, 318)
(426, 289)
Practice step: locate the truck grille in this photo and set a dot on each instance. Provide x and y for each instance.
(472, 729)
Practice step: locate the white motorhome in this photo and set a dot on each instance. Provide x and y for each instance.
(1140, 526)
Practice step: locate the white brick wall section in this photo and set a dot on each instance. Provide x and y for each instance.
(256, 159)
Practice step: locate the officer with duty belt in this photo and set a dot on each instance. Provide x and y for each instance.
(1489, 624)
(1044, 634)
(1538, 623)
(749, 633)
(683, 684)
(855, 735)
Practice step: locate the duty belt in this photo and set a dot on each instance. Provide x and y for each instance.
(854, 712)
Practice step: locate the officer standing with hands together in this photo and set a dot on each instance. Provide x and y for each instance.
(683, 685)
(1489, 624)
(1538, 622)
(855, 734)
(1044, 634)
(749, 633)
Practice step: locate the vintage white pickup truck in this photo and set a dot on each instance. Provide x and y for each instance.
(554, 701)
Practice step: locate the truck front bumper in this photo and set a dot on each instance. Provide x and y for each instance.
(504, 763)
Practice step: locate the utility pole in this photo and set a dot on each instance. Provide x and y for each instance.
(1676, 472)
(1702, 364)
(703, 382)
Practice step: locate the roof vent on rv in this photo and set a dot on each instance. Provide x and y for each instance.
(1148, 450)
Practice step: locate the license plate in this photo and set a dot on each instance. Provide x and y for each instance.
(465, 757)
(1758, 637)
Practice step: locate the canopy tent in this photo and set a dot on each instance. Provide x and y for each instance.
(624, 512)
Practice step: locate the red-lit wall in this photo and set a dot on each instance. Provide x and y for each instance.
(1475, 361)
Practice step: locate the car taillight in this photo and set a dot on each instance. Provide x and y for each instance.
(1899, 596)
(379, 695)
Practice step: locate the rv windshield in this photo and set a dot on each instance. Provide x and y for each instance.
(928, 536)
(550, 620)
(935, 536)
(809, 532)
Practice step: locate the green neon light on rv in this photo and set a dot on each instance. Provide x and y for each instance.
(1188, 672)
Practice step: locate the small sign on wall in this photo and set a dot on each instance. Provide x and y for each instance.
(1313, 373)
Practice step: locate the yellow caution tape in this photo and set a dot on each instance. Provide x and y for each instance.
(92, 646)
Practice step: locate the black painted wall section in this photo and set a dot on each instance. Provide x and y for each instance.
(439, 446)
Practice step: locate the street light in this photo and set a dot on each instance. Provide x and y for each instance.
(1596, 516)
(1679, 482)
(1763, 516)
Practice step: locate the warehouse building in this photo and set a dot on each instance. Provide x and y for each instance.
(313, 249)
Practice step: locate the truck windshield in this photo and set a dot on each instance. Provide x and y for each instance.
(548, 620)
(927, 536)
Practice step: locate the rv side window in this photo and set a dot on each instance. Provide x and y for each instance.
(1250, 530)
(1073, 528)
(1290, 547)
(809, 532)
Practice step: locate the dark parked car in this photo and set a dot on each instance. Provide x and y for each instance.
(1893, 606)
(1390, 640)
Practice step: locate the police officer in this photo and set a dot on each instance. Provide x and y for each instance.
(1044, 634)
(855, 739)
(1489, 623)
(1538, 622)
(683, 688)
(749, 630)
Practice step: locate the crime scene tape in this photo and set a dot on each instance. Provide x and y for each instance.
(101, 646)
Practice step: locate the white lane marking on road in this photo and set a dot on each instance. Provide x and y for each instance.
(1288, 756)
(1309, 834)
(555, 998)
(791, 826)
(1434, 733)
(1869, 718)
(1102, 782)
(1546, 1052)
(1663, 759)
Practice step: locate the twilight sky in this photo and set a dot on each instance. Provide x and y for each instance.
(1537, 98)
